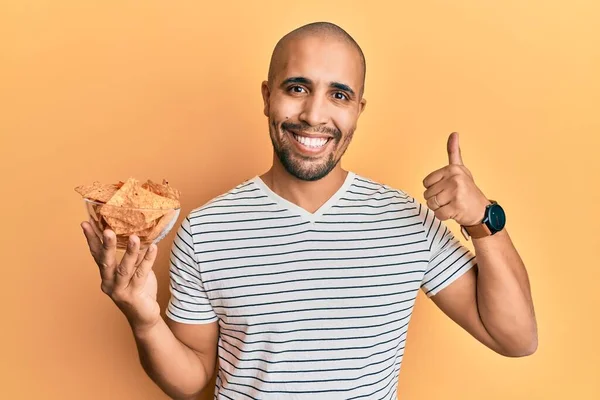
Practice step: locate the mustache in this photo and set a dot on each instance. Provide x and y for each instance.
(303, 127)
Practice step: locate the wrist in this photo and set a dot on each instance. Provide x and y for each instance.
(493, 221)
(142, 331)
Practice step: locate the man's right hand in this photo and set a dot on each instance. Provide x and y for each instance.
(131, 284)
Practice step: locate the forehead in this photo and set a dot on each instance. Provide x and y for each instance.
(322, 60)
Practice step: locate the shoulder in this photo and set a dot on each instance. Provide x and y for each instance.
(384, 194)
(236, 199)
(363, 185)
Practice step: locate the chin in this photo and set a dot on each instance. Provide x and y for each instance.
(314, 171)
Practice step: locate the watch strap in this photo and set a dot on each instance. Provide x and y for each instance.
(476, 231)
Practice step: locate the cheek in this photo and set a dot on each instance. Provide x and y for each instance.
(282, 108)
(346, 140)
(346, 123)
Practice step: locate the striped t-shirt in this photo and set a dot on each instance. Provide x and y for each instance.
(310, 306)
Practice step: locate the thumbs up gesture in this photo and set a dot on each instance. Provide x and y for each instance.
(451, 192)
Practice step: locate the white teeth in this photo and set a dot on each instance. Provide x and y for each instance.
(311, 142)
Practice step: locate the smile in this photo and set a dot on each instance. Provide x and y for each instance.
(313, 143)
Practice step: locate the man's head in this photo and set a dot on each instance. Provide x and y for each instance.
(313, 98)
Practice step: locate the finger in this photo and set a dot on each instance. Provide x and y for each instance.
(453, 147)
(94, 242)
(141, 273)
(141, 255)
(444, 213)
(433, 177)
(127, 266)
(107, 260)
(435, 189)
(438, 201)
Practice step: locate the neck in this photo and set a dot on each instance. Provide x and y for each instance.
(310, 195)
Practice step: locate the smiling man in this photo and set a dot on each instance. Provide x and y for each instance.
(301, 282)
(313, 99)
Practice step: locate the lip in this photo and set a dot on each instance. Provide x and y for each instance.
(316, 136)
(309, 150)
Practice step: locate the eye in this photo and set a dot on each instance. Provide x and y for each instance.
(296, 89)
(340, 96)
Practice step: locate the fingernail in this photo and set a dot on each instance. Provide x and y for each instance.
(151, 248)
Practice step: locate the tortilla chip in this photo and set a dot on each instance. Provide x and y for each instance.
(97, 191)
(131, 194)
(134, 196)
(126, 215)
(121, 227)
(163, 189)
(162, 224)
(145, 232)
(147, 210)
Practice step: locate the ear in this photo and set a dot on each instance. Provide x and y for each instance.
(266, 94)
(362, 105)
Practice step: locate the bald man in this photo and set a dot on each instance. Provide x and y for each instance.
(300, 283)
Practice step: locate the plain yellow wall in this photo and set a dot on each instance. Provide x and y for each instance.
(106, 90)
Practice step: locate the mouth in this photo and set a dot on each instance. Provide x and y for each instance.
(310, 144)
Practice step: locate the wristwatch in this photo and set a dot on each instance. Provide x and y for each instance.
(493, 221)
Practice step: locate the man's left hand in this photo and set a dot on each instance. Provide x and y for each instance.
(451, 191)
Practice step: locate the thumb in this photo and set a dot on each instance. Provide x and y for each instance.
(454, 156)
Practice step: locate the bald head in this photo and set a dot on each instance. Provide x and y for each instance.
(322, 30)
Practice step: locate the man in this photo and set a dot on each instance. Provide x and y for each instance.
(302, 281)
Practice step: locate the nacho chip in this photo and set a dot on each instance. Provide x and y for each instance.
(161, 225)
(145, 232)
(125, 228)
(147, 210)
(162, 189)
(132, 195)
(97, 191)
(126, 215)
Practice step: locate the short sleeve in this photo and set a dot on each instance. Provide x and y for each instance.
(189, 303)
(448, 257)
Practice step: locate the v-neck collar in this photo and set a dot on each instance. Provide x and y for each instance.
(296, 209)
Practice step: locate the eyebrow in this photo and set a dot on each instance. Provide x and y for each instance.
(306, 81)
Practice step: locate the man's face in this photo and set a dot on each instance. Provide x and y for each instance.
(313, 104)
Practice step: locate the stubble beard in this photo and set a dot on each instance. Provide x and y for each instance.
(302, 167)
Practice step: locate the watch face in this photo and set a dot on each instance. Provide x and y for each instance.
(497, 218)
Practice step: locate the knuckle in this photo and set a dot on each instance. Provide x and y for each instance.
(139, 273)
(105, 288)
(456, 179)
(456, 169)
(122, 270)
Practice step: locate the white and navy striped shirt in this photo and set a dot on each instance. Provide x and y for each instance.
(310, 306)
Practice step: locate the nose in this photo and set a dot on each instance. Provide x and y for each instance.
(314, 111)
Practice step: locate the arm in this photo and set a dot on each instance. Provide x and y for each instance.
(493, 301)
(179, 358)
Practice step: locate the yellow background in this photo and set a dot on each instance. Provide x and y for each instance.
(106, 90)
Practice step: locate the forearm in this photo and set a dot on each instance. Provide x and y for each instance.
(504, 296)
(173, 366)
